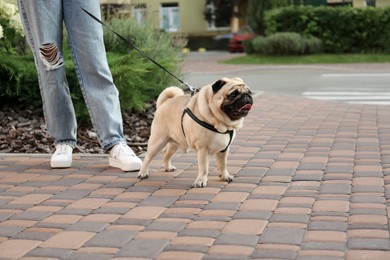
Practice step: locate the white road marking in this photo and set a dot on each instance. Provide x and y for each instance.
(351, 75)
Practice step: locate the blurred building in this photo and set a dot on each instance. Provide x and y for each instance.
(203, 21)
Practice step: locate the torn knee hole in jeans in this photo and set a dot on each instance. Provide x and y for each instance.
(51, 56)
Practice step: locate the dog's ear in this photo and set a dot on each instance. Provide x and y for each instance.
(218, 85)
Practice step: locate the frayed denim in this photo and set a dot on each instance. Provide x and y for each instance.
(43, 22)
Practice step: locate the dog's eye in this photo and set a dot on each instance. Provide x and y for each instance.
(234, 94)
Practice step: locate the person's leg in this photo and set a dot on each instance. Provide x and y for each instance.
(43, 22)
(88, 50)
(100, 94)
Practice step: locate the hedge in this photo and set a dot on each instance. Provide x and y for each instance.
(341, 29)
(137, 79)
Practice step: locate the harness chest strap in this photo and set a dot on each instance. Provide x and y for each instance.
(207, 126)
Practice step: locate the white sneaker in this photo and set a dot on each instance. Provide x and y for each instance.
(62, 157)
(122, 157)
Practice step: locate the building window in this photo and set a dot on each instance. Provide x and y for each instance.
(218, 13)
(370, 3)
(169, 17)
(139, 13)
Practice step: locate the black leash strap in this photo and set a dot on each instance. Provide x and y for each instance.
(193, 90)
(207, 126)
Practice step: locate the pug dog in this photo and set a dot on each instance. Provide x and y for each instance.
(205, 122)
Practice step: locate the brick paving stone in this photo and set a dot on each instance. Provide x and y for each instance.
(366, 254)
(245, 226)
(14, 249)
(143, 248)
(259, 205)
(145, 212)
(291, 236)
(243, 251)
(110, 238)
(49, 253)
(237, 239)
(68, 240)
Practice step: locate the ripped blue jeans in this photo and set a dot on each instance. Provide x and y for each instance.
(43, 22)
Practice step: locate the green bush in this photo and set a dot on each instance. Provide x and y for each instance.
(137, 79)
(312, 45)
(287, 43)
(248, 46)
(342, 29)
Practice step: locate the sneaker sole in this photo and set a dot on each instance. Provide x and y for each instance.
(126, 168)
(60, 164)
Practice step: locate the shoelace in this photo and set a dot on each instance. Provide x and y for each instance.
(61, 149)
(125, 150)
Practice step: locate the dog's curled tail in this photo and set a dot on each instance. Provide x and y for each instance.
(169, 93)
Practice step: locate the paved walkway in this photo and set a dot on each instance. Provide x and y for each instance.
(312, 182)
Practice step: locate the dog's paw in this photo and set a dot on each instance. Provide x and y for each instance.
(143, 175)
(199, 183)
(227, 177)
(170, 168)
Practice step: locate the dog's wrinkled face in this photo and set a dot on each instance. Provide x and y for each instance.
(237, 97)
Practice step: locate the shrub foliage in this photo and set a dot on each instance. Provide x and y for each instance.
(342, 29)
(288, 43)
(137, 79)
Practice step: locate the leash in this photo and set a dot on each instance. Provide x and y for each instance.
(191, 88)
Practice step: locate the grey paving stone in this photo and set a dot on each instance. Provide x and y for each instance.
(368, 244)
(324, 246)
(281, 172)
(290, 218)
(200, 233)
(111, 238)
(143, 248)
(40, 236)
(252, 172)
(88, 226)
(50, 252)
(265, 215)
(197, 196)
(214, 218)
(223, 205)
(328, 225)
(274, 254)
(335, 188)
(237, 239)
(67, 182)
(249, 180)
(5, 216)
(166, 226)
(368, 199)
(71, 211)
(107, 210)
(162, 201)
(173, 215)
(222, 257)
(133, 221)
(319, 258)
(73, 194)
(10, 231)
(187, 248)
(368, 189)
(32, 215)
(292, 236)
(84, 256)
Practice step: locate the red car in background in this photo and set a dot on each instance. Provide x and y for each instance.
(236, 41)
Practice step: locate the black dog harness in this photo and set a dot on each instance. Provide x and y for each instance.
(206, 125)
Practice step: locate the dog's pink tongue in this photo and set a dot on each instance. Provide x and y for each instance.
(246, 107)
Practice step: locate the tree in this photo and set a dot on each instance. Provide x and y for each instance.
(256, 11)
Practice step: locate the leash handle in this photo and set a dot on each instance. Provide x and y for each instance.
(141, 52)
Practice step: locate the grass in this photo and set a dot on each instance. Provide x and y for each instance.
(311, 59)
